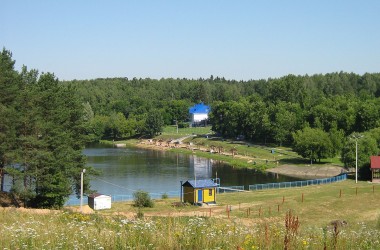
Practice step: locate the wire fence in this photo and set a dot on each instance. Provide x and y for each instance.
(297, 183)
(230, 189)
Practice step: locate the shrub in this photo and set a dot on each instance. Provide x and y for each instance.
(183, 125)
(140, 214)
(142, 199)
(164, 196)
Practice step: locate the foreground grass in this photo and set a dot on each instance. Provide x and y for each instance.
(191, 227)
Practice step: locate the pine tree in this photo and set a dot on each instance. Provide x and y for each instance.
(42, 135)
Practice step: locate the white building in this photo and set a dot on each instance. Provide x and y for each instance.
(199, 114)
(98, 201)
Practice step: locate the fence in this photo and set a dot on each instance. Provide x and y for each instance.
(230, 189)
(128, 197)
(297, 183)
(73, 200)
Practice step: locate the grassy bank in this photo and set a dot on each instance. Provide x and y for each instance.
(205, 144)
(167, 227)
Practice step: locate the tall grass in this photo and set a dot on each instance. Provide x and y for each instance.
(20, 230)
(300, 224)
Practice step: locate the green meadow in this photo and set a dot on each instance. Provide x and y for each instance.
(293, 218)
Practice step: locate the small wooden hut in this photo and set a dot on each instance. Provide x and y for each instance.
(375, 168)
(98, 201)
(199, 191)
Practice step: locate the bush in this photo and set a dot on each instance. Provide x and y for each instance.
(142, 199)
(140, 214)
(164, 196)
(183, 125)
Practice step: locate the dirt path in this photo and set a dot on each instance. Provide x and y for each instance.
(308, 172)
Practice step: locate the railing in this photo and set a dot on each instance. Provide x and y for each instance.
(123, 197)
(230, 189)
(297, 183)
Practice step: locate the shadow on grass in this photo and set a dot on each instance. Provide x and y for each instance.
(293, 161)
(302, 161)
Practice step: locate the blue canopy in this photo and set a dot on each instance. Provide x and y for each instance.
(199, 108)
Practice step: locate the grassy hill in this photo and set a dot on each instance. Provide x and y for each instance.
(343, 215)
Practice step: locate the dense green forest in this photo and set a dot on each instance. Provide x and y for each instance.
(317, 115)
(41, 135)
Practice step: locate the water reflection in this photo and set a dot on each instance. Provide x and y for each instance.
(125, 170)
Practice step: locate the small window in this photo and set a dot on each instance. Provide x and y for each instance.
(210, 192)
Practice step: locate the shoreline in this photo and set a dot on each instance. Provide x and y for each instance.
(300, 171)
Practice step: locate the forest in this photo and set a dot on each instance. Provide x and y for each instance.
(319, 116)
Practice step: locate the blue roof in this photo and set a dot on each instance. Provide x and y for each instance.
(200, 183)
(199, 108)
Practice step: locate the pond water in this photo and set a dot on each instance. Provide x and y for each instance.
(125, 170)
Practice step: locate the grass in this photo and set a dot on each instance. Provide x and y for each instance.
(308, 223)
(321, 203)
(172, 130)
(248, 155)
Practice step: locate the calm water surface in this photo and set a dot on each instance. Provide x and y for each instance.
(125, 170)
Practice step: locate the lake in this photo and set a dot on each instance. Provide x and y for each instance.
(125, 170)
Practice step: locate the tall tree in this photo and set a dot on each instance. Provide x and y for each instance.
(153, 123)
(367, 146)
(313, 144)
(45, 159)
(9, 85)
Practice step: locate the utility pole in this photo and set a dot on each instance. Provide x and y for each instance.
(81, 189)
(356, 137)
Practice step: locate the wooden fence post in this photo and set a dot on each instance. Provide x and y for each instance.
(302, 197)
(340, 193)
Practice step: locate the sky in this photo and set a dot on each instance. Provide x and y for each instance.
(240, 40)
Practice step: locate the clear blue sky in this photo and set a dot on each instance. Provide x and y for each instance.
(239, 40)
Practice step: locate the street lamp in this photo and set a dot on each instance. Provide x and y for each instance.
(81, 188)
(176, 123)
(356, 137)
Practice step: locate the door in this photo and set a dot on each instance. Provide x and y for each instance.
(200, 195)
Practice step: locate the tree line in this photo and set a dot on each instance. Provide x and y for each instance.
(109, 100)
(316, 115)
(42, 135)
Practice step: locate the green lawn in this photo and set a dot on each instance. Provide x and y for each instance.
(172, 131)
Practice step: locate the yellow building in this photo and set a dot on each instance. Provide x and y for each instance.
(199, 191)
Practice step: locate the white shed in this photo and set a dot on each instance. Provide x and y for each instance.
(98, 201)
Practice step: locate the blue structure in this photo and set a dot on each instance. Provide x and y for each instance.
(199, 114)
